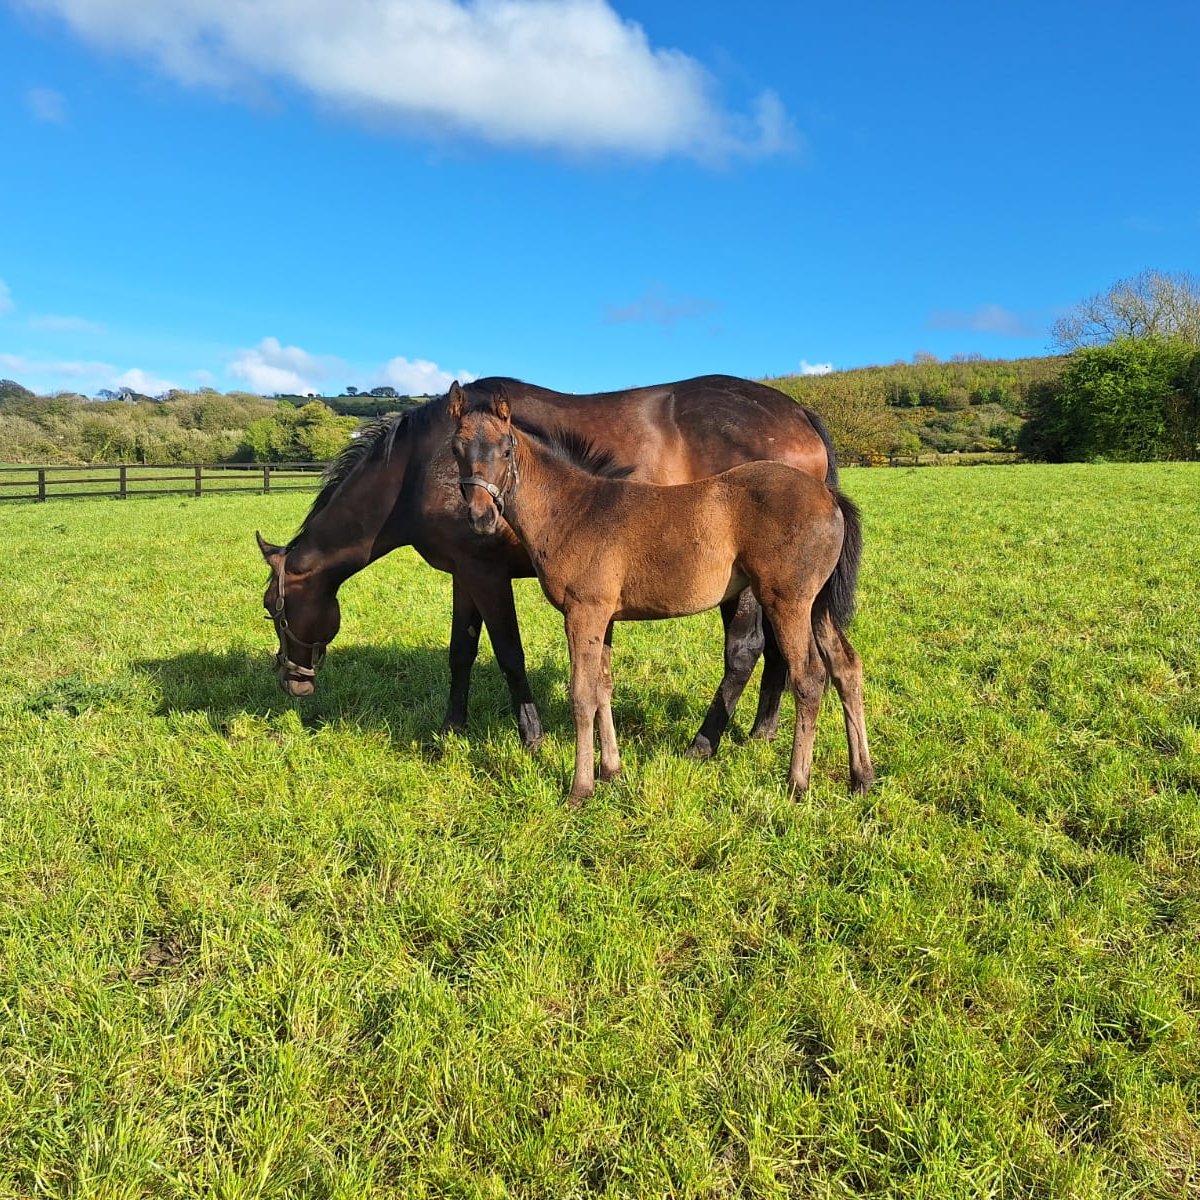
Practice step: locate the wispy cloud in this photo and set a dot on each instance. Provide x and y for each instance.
(988, 318)
(807, 368)
(54, 323)
(272, 367)
(47, 105)
(565, 74)
(656, 306)
(6, 300)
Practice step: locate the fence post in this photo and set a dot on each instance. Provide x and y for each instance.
(123, 493)
(198, 485)
(41, 483)
(266, 477)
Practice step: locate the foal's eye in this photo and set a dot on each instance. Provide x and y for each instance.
(508, 452)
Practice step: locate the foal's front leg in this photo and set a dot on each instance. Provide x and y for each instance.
(585, 643)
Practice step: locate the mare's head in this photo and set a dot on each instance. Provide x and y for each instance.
(304, 608)
(484, 448)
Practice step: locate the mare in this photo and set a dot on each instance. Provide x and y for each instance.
(610, 550)
(397, 485)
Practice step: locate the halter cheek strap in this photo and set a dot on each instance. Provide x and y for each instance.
(288, 638)
(512, 477)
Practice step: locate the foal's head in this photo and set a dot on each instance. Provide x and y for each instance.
(484, 447)
(306, 614)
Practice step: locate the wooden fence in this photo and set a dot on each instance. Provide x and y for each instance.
(126, 480)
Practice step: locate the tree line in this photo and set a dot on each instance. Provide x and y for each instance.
(1126, 385)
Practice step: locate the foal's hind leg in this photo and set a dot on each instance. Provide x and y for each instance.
(742, 617)
(610, 756)
(845, 669)
(793, 627)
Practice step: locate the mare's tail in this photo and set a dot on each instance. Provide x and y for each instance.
(838, 595)
(831, 471)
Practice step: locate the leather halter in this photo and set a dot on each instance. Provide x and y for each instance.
(512, 477)
(288, 638)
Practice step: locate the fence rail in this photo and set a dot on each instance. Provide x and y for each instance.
(123, 481)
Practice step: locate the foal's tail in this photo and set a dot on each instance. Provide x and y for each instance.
(837, 597)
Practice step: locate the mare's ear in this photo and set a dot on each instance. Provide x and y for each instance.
(273, 554)
(457, 401)
(500, 405)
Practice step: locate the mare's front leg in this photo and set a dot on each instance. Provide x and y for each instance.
(585, 643)
(494, 598)
(742, 617)
(465, 626)
(771, 687)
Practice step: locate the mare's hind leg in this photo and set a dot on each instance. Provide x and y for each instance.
(585, 642)
(465, 626)
(610, 756)
(771, 687)
(793, 628)
(494, 597)
(742, 618)
(845, 669)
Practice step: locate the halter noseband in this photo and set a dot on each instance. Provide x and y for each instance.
(288, 638)
(512, 477)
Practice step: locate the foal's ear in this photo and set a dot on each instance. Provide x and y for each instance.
(457, 401)
(273, 554)
(500, 405)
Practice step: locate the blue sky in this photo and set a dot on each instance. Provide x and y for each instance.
(589, 194)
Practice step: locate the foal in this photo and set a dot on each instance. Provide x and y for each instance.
(610, 550)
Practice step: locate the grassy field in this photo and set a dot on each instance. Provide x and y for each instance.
(252, 949)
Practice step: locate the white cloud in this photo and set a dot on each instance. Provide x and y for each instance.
(47, 105)
(271, 367)
(6, 300)
(988, 318)
(566, 74)
(143, 382)
(419, 377)
(807, 368)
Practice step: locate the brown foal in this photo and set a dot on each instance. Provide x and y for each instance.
(610, 550)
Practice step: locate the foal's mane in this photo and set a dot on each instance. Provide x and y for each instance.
(572, 447)
(376, 439)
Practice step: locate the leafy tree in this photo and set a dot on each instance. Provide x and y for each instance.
(1135, 399)
(1158, 304)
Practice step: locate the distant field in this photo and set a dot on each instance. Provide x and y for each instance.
(252, 949)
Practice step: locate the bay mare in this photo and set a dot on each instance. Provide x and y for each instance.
(609, 550)
(397, 485)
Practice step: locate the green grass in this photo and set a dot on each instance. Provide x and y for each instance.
(251, 949)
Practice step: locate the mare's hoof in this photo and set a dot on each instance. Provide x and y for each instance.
(860, 787)
(765, 733)
(701, 749)
(533, 745)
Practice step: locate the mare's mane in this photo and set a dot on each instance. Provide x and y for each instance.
(374, 440)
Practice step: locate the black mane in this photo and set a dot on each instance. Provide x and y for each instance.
(373, 440)
(576, 449)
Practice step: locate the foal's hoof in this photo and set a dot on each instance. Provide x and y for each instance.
(862, 785)
(576, 799)
(606, 774)
(701, 749)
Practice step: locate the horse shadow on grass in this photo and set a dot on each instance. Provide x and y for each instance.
(402, 692)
